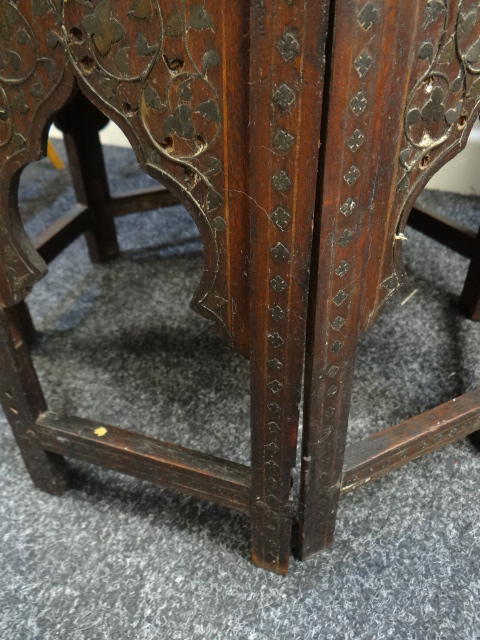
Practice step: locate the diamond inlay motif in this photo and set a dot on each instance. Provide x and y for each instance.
(332, 372)
(345, 238)
(279, 252)
(368, 16)
(281, 218)
(275, 340)
(352, 175)
(273, 427)
(332, 391)
(278, 283)
(284, 97)
(342, 268)
(275, 364)
(338, 323)
(336, 346)
(272, 448)
(277, 313)
(356, 140)
(340, 297)
(348, 207)
(283, 140)
(288, 46)
(273, 407)
(271, 482)
(359, 103)
(281, 181)
(275, 386)
(363, 64)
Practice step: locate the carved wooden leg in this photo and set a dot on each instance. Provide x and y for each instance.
(23, 401)
(23, 320)
(475, 439)
(470, 299)
(285, 129)
(379, 153)
(330, 358)
(80, 122)
(470, 303)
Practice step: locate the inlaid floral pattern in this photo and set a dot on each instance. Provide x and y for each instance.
(156, 67)
(448, 82)
(103, 28)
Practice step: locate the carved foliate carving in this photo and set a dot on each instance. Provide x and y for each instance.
(31, 70)
(446, 88)
(436, 74)
(159, 66)
(156, 69)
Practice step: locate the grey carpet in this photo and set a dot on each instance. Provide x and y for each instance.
(119, 559)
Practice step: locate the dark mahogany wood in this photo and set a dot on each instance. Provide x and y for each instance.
(80, 123)
(169, 465)
(23, 321)
(450, 233)
(22, 401)
(392, 448)
(287, 53)
(57, 236)
(404, 94)
(141, 200)
(221, 103)
(470, 298)
(461, 239)
(176, 82)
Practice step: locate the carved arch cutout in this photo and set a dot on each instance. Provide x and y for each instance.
(33, 85)
(207, 229)
(442, 158)
(156, 71)
(441, 106)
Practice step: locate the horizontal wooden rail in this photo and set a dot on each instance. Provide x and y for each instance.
(448, 232)
(56, 237)
(198, 474)
(391, 448)
(140, 201)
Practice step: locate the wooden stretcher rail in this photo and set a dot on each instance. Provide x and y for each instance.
(198, 474)
(55, 238)
(140, 201)
(448, 232)
(391, 448)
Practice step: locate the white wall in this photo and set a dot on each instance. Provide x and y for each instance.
(110, 135)
(461, 175)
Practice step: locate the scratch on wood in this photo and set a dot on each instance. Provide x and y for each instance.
(249, 197)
